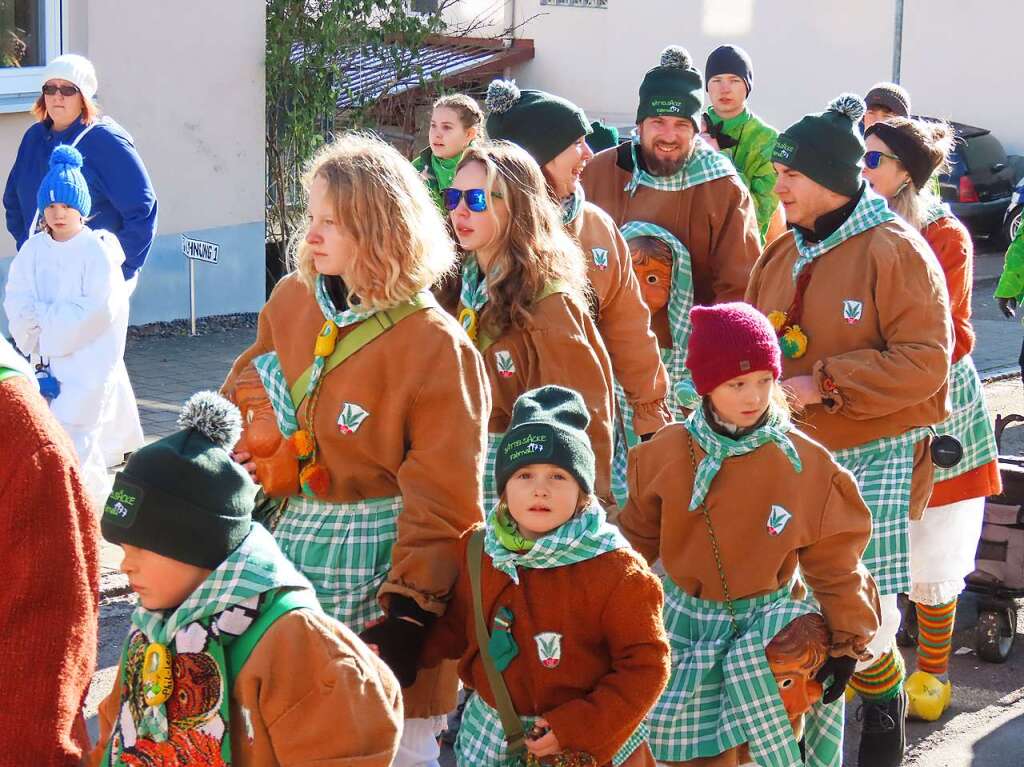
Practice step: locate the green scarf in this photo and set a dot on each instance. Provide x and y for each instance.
(342, 319)
(572, 205)
(507, 531)
(194, 721)
(586, 536)
(719, 447)
(704, 164)
(444, 170)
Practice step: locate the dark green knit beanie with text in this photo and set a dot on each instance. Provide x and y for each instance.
(543, 124)
(183, 496)
(675, 88)
(549, 425)
(827, 146)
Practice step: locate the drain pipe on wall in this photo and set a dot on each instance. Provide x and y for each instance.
(510, 31)
(897, 43)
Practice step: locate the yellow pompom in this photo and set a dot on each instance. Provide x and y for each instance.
(777, 319)
(793, 342)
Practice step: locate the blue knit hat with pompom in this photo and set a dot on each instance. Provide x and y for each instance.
(64, 182)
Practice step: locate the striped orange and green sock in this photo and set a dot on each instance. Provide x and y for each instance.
(935, 637)
(881, 680)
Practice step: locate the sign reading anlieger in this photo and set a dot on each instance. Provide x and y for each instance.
(199, 250)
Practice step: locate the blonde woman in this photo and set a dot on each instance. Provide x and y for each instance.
(523, 295)
(384, 399)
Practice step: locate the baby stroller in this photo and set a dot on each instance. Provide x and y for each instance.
(998, 577)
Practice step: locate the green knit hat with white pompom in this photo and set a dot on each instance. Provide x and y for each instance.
(826, 146)
(541, 123)
(183, 496)
(674, 88)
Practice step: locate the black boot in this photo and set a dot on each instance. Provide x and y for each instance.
(884, 733)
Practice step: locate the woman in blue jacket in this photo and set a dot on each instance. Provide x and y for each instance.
(123, 200)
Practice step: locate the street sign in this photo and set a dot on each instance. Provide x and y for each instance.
(199, 250)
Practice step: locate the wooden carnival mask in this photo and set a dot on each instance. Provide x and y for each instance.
(652, 263)
(794, 656)
(277, 465)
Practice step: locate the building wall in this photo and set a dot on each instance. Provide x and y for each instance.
(186, 79)
(957, 63)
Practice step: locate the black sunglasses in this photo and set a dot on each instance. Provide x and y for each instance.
(476, 199)
(64, 90)
(873, 158)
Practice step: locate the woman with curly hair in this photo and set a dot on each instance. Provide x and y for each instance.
(380, 394)
(523, 296)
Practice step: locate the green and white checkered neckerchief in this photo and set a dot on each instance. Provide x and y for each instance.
(473, 290)
(872, 210)
(222, 608)
(342, 319)
(704, 164)
(719, 447)
(936, 209)
(585, 536)
(572, 205)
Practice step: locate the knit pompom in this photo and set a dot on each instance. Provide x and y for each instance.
(848, 104)
(64, 154)
(501, 95)
(676, 56)
(213, 416)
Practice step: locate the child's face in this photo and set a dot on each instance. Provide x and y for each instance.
(448, 136)
(564, 170)
(728, 95)
(333, 247)
(161, 582)
(541, 497)
(64, 221)
(742, 400)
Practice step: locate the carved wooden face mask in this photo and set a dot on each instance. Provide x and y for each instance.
(794, 656)
(277, 466)
(652, 263)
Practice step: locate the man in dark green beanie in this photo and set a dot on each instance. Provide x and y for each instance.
(554, 131)
(860, 304)
(225, 620)
(602, 136)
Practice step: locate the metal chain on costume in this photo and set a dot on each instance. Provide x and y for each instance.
(714, 545)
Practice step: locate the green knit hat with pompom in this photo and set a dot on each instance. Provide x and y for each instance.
(674, 88)
(541, 123)
(827, 146)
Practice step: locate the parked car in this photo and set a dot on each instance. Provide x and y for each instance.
(1015, 213)
(979, 186)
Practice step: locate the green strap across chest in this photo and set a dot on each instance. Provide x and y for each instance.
(484, 341)
(365, 332)
(510, 722)
(241, 648)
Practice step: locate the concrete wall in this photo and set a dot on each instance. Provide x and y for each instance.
(958, 58)
(186, 79)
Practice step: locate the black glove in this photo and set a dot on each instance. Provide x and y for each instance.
(1008, 307)
(400, 636)
(647, 436)
(840, 669)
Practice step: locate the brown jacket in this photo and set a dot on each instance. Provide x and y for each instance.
(890, 367)
(311, 692)
(424, 387)
(716, 221)
(825, 537)
(562, 347)
(614, 659)
(623, 318)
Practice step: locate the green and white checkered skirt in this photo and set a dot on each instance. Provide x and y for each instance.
(481, 739)
(491, 497)
(883, 470)
(345, 551)
(969, 421)
(722, 692)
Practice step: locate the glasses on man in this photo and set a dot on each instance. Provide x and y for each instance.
(476, 199)
(63, 90)
(873, 158)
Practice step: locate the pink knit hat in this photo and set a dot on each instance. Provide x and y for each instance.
(730, 340)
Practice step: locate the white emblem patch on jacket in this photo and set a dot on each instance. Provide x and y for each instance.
(600, 258)
(549, 648)
(852, 310)
(506, 367)
(778, 518)
(351, 418)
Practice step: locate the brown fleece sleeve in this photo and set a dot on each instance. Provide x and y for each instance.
(640, 518)
(332, 702)
(625, 326)
(602, 721)
(913, 314)
(832, 568)
(735, 242)
(445, 431)
(449, 636)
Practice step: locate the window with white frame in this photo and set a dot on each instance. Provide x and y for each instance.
(29, 37)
